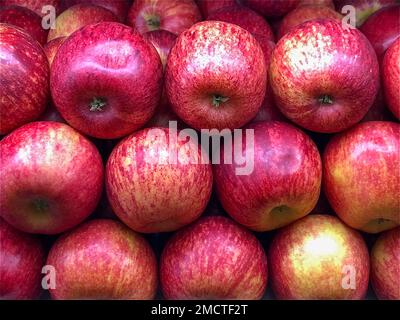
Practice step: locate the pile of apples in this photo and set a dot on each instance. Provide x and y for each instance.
(93, 110)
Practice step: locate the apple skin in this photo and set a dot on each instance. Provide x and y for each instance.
(103, 259)
(361, 179)
(151, 196)
(173, 15)
(382, 28)
(97, 80)
(213, 258)
(364, 8)
(44, 177)
(271, 8)
(51, 48)
(34, 5)
(22, 257)
(78, 16)
(306, 13)
(385, 265)
(327, 3)
(244, 18)
(208, 92)
(209, 6)
(391, 77)
(284, 185)
(307, 260)
(118, 7)
(24, 82)
(25, 19)
(319, 80)
(51, 114)
(379, 111)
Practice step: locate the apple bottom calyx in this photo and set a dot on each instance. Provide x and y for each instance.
(218, 99)
(40, 205)
(97, 104)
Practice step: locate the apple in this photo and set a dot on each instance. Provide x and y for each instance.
(271, 8)
(103, 259)
(50, 177)
(363, 8)
(174, 15)
(324, 77)
(318, 257)
(306, 13)
(245, 18)
(268, 110)
(382, 28)
(205, 73)
(51, 48)
(98, 76)
(78, 16)
(385, 265)
(214, 258)
(149, 189)
(51, 114)
(35, 5)
(22, 257)
(379, 111)
(118, 7)
(26, 19)
(209, 6)
(361, 179)
(327, 3)
(163, 41)
(391, 77)
(24, 78)
(284, 184)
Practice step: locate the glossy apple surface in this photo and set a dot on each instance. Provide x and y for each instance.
(103, 259)
(77, 17)
(173, 15)
(324, 77)
(24, 82)
(97, 80)
(22, 257)
(118, 7)
(51, 48)
(318, 257)
(385, 265)
(35, 5)
(361, 175)
(156, 182)
(284, 184)
(205, 73)
(51, 177)
(214, 258)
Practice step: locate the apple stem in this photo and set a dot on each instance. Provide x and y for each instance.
(153, 23)
(217, 100)
(325, 99)
(97, 104)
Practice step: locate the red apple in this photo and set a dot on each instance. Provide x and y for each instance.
(361, 175)
(51, 114)
(173, 15)
(324, 77)
(306, 13)
(50, 178)
(364, 8)
(213, 258)
(318, 257)
(24, 82)
(78, 16)
(383, 28)
(118, 7)
(209, 6)
(327, 3)
(206, 71)
(51, 48)
(271, 8)
(245, 18)
(26, 19)
(379, 110)
(284, 183)
(98, 77)
(148, 189)
(385, 265)
(391, 77)
(22, 257)
(34, 5)
(103, 259)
